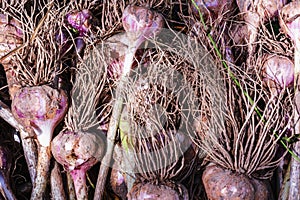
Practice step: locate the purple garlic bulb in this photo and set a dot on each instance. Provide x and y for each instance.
(279, 69)
(78, 152)
(80, 20)
(40, 108)
(77, 149)
(141, 23)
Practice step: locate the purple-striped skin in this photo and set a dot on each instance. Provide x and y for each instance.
(78, 152)
(40, 108)
(79, 26)
(279, 69)
(80, 20)
(141, 23)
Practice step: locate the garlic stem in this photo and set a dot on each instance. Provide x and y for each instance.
(43, 165)
(29, 147)
(57, 188)
(79, 178)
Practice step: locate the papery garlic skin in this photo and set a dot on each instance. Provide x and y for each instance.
(77, 149)
(78, 152)
(40, 108)
(80, 20)
(141, 23)
(279, 69)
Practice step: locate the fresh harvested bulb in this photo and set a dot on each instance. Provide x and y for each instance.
(5, 166)
(77, 149)
(79, 25)
(279, 69)
(78, 152)
(220, 183)
(80, 21)
(149, 191)
(141, 23)
(11, 37)
(40, 108)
